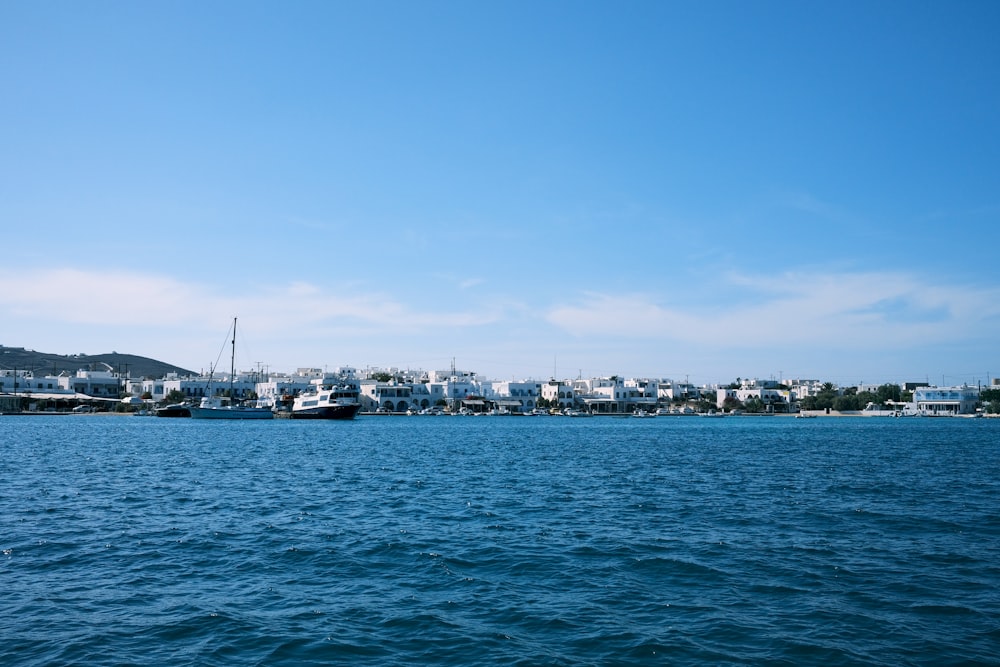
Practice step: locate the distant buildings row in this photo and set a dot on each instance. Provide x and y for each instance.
(394, 390)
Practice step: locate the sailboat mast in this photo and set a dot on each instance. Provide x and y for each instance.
(232, 366)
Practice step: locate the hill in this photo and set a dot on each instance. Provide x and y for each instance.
(42, 362)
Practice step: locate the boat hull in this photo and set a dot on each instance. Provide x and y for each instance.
(231, 413)
(174, 411)
(327, 412)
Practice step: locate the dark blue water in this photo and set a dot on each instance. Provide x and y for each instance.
(499, 541)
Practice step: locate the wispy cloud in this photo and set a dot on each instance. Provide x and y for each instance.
(878, 309)
(742, 318)
(76, 296)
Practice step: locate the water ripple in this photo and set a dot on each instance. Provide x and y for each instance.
(500, 541)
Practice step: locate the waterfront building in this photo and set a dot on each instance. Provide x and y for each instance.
(558, 393)
(145, 387)
(641, 394)
(385, 396)
(602, 395)
(803, 388)
(512, 396)
(192, 387)
(668, 391)
(12, 381)
(946, 401)
(775, 397)
(99, 384)
(452, 387)
(25, 390)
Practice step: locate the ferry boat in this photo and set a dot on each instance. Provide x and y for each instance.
(326, 401)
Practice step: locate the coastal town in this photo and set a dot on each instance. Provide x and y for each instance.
(393, 391)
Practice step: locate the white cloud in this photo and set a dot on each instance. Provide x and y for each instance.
(94, 297)
(878, 309)
(802, 320)
(82, 297)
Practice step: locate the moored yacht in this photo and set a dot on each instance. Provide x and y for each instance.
(326, 401)
(220, 407)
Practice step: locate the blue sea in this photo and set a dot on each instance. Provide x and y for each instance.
(499, 541)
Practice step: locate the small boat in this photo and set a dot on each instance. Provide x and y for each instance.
(174, 410)
(219, 407)
(711, 413)
(327, 400)
(642, 414)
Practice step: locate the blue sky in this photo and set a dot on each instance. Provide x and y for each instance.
(698, 190)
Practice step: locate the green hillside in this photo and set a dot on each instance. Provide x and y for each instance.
(52, 364)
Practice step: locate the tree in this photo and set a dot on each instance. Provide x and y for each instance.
(989, 395)
(755, 405)
(889, 392)
(732, 403)
(704, 405)
(823, 400)
(992, 398)
(866, 397)
(846, 402)
(174, 396)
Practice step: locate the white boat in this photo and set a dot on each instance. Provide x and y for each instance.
(642, 414)
(327, 401)
(711, 413)
(220, 407)
(223, 407)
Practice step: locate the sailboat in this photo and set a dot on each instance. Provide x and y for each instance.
(222, 407)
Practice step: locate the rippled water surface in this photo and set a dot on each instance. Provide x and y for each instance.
(492, 540)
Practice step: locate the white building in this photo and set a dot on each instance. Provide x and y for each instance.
(668, 390)
(100, 384)
(641, 393)
(946, 401)
(774, 396)
(452, 387)
(385, 396)
(558, 393)
(602, 395)
(516, 396)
